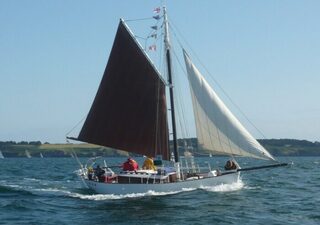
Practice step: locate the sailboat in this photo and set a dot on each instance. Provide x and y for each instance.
(28, 154)
(1, 155)
(130, 113)
(41, 156)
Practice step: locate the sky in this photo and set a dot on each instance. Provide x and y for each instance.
(264, 54)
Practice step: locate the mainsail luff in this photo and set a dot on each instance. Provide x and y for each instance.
(129, 111)
(218, 130)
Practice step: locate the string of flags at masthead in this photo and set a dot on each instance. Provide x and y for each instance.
(153, 47)
(157, 17)
(155, 28)
(153, 35)
(157, 10)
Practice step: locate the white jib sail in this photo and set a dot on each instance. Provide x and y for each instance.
(218, 130)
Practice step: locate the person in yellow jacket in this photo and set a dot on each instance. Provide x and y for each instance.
(148, 164)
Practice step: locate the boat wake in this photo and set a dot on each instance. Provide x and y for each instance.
(100, 197)
(65, 191)
(225, 187)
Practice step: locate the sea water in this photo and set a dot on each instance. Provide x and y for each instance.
(48, 191)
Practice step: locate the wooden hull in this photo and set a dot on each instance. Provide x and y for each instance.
(123, 189)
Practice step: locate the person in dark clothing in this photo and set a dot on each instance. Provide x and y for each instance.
(99, 173)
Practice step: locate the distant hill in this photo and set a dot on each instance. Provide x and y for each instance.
(277, 147)
(291, 147)
(17, 149)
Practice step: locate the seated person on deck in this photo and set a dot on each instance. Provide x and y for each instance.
(99, 173)
(130, 165)
(230, 165)
(149, 164)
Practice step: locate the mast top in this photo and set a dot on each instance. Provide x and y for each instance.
(166, 29)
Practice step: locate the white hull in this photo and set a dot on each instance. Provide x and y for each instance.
(122, 189)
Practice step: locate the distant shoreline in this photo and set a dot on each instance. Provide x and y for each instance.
(277, 147)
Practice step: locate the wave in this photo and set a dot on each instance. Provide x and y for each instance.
(64, 192)
(31, 179)
(6, 189)
(9, 189)
(34, 187)
(99, 197)
(225, 187)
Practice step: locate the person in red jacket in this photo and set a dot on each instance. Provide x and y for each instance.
(130, 165)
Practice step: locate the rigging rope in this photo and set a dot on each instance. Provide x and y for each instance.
(197, 116)
(181, 102)
(146, 18)
(185, 131)
(76, 125)
(211, 76)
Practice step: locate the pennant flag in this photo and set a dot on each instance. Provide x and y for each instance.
(155, 27)
(153, 47)
(157, 10)
(157, 17)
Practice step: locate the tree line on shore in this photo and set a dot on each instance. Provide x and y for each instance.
(277, 147)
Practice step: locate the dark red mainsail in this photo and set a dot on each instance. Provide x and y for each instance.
(129, 111)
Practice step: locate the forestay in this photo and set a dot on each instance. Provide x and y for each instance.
(218, 130)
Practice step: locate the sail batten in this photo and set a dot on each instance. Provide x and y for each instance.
(218, 130)
(129, 111)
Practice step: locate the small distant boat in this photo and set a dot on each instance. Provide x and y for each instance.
(28, 154)
(41, 156)
(1, 155)
(187, 153)
(130, 111)
(172, 157)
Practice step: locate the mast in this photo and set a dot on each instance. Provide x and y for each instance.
(168, 58)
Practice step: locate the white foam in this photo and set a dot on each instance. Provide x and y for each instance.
(14, 186)
(225, 187)
(51, 190)
(31, 179)
(188, 189)
(252, 188)
(99, 197)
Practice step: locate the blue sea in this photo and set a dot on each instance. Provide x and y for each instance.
(48, 191)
